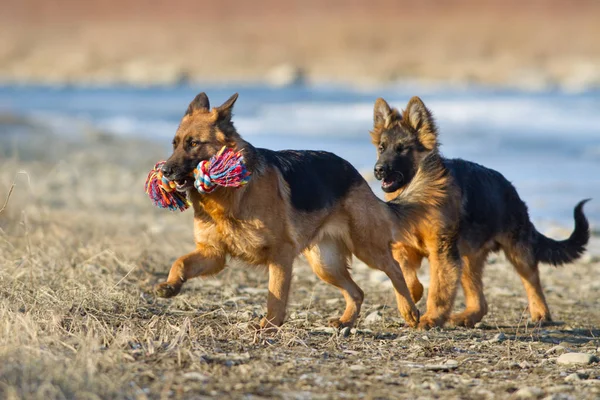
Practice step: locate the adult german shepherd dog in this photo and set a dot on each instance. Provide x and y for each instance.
(310, 202)
(467, 211)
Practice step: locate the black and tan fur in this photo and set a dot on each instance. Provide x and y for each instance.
(309, 202)
(466, 212)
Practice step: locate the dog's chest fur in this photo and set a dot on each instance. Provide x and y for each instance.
(247, 240)
(238, 226)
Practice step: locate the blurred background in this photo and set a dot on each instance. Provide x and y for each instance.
(515, 85)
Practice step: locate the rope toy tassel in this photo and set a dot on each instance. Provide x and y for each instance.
(162, 191)
(227, 168)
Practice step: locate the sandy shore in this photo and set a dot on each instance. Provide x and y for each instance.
(81, 247)
(531, 45)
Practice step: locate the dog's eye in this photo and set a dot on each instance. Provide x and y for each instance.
(399, 148)
(381, 148)
(194, 143)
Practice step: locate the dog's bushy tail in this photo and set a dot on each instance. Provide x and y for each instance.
(558, 252)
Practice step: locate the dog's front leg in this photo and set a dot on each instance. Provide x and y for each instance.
(445, 266)
(280, 279)
(410, 262)
(203, 261)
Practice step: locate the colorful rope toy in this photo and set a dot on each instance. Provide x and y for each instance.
(162, 191)
(226, 168)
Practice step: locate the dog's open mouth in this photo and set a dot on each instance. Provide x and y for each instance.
(184, 184)
(391, 182)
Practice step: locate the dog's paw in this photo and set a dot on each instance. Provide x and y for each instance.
(427, 322)
(542, 319)
(466, 320)
(267, 326)
(167, 290)
(412, 317)
(339, 324)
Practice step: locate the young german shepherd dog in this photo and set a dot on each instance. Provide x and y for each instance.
(467, 211)
(296, 201)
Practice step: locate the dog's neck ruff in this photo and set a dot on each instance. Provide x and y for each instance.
(227, 168)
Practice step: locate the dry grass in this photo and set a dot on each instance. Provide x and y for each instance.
(81, 247)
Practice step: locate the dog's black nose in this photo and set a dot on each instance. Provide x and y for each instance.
(167, 170)
(379, 171)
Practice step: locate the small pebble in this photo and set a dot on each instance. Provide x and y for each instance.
(441, 367)
(576, 358)
(195, 376)
(559, 396)
(529, 393)
(357, 368)
(373, 318)
(500, 337)
(556, 349)
(355, 331)
(451, 362)
(324, 329)
(569, 348)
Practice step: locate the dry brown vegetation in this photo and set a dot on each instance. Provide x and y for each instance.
(81, 247)
(524, 43)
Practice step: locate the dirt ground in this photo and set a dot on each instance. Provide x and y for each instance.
(526, 44)
(81, 247)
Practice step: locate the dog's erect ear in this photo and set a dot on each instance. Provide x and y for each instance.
(200, 102)
(224, 111)
(383, 114)
(419, 118)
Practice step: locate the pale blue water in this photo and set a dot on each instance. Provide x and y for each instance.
(547, 144)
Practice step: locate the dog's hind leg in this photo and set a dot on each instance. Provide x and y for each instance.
(203, 261)
(371, 236)
(378, 255)
(523, 259)
(329, 259)
(472, 283)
